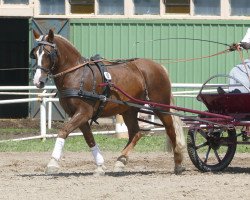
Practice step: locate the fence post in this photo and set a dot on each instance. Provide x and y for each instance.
(49, 113)
(120, 127)
(43, 118)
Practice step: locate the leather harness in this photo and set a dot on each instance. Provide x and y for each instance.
(92, 95)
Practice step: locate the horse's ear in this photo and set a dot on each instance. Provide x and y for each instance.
(51, 36)
(36, 34)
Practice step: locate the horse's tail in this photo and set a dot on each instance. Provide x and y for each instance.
(180, 138)
(178, 126)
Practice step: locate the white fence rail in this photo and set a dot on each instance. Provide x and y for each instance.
(45, 99)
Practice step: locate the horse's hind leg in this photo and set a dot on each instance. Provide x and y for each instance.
(130, 119)
(174, 131)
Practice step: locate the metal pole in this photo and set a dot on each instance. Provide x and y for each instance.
(43, 118)
(120, 127)
(152, 118)
(49, 113)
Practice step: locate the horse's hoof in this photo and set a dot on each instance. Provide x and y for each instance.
(179, 169)
(119, 166)
(52, 167)
(99, 171)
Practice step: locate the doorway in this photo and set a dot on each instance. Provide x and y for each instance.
(14, 63)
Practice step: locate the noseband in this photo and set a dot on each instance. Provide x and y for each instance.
(52, 54)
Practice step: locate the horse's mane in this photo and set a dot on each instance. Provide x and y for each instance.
(110, 62)
(67, 41)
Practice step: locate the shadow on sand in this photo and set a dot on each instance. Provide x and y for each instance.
(112, 174)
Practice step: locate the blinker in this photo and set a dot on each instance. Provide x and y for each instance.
(32, 55)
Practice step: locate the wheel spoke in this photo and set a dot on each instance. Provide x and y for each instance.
(207, 154)
(217, 155)
(201, 145)
(203, 134)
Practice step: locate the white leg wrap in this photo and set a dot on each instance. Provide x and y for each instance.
(57, 152)
(97, 155)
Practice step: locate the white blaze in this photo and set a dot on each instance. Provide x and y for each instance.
(39, 58)
(37, 77)
(38, 73)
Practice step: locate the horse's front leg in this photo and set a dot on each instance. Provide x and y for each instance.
(77, 119)
(89, 138)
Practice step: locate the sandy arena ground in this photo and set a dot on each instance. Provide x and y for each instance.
(147, 176)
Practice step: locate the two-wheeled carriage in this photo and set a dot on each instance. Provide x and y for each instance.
(212, 140)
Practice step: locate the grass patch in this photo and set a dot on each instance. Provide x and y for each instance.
(154, 143)
(74, 144)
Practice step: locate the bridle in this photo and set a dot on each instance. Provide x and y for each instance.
(41, 43)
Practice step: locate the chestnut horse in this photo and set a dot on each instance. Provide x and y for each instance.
(140, 78)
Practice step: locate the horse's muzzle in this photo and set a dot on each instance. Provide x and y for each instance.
(40, 85)
(40, 79)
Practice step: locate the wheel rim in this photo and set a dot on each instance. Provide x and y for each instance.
(211, 150)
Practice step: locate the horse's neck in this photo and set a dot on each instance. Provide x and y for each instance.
(68, 56)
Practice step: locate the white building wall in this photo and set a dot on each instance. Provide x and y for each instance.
(33, 10)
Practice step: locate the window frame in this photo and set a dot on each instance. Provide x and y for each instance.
(164, 1)
(220, 10)
(68, 9)
(16, 10)
(15, 5)
(33, 8)
(51, 14)
(133, 11)
(97, 11)
(230, 13)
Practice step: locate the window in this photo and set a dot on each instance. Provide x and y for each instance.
(82, 6)
(177, 6)
(111, 7)
(16, 2)
(207, 7)
(53, 7)
(151, 7)
(240, 7)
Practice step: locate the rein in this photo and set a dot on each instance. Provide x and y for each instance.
(74, 68)
(69, 70)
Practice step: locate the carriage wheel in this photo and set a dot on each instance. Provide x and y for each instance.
(211, 151)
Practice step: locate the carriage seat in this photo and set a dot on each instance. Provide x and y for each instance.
(220, 90)
(232, 104)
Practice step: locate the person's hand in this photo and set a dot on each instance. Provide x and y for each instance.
(234, 46)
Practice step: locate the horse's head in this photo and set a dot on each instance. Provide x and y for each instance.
(46, 56)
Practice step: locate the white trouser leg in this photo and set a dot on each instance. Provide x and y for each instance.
(57, 152)
(97, 155)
